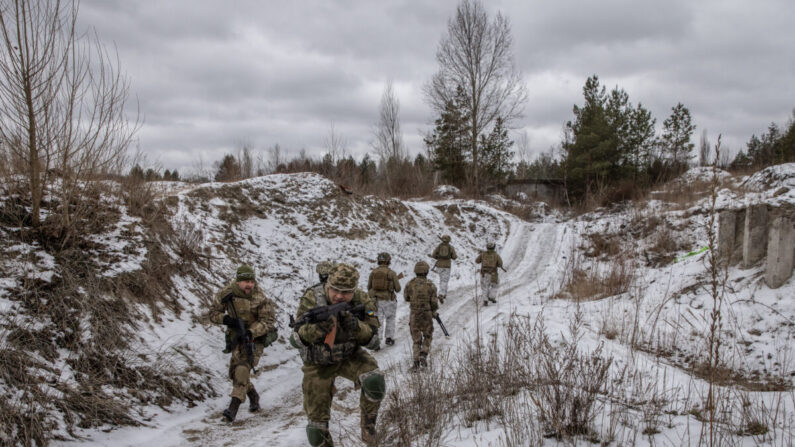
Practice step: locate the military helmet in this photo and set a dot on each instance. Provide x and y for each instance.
(244, 273)
(446, 238)
(421, 268)
(490, 245)
(384, 258)
(344, 278)
(324, 268)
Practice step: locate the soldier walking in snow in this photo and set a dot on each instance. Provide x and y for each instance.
(242, 306)
(333, 322)
(421, 295)
(382, 286)
(489, 262)
(444, 253)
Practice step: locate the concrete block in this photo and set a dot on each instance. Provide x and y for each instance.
(755, 240)
(731, 226)
(780, 252)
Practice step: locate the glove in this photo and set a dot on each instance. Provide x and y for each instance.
(229, 321)
(325, 326)
(249, 334)
(435, 314)
(348, 322)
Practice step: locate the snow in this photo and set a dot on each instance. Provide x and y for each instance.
(284, 225)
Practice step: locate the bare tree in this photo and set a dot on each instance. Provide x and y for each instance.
(336, 146)
(274, 157)
(245, 161)
(476, 56)
(62, 98)
(388, 142)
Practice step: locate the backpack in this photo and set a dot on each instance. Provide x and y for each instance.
(380, 280)
(489, 260)
(422, 295)
(444, 251)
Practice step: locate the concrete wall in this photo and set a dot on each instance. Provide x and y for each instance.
(780, 252)
(755, 234)
(755, 240)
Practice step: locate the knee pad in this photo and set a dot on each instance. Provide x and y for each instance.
(318, 435)
(373, 385)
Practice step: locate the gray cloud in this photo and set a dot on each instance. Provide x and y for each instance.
(210, 75)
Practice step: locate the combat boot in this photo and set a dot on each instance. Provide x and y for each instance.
(389, 341)
(442, 298)
(493, 300)
(416, 365)
(368, 428)
(423, 360)
(485, 303)
(231, 412)
(253, 400)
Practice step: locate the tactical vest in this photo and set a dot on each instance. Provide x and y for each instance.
(319, 353)
(380, 280)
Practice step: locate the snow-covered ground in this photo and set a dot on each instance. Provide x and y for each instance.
(284, 224)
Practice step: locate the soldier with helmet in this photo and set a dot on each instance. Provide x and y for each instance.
(421, 295)
(444, 253)
(323, 269)
(382, 286)
(243, 299)
(333, 347)
(489, 262)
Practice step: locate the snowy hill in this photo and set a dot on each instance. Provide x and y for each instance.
(621, 284)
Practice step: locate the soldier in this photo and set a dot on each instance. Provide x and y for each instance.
(242, 299)
(381, 286)
(444, 253)
(421, 294)
(323, 269)
(489, 262)
(332, 348)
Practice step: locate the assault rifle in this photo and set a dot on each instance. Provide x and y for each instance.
(441, 325)
(241, 337)
(323, 313)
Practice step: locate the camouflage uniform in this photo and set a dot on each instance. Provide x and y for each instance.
(444, 253)
(421, 294)
(490, 263)
(259, 318)
(328, 351)
(381, 286)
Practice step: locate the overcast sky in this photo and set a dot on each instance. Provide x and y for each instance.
(210, 76)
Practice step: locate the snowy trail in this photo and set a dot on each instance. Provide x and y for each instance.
(532, 255)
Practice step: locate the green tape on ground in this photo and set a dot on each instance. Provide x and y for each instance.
(693, 253)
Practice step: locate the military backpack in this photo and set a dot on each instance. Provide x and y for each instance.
(380, 280)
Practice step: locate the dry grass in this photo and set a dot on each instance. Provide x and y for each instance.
(597, 281)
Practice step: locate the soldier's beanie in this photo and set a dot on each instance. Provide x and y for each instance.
(244, 273)
(344, 277)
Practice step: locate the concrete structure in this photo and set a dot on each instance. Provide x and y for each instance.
(755, 235)
(780, 252)
(546, 190)
(731, 229)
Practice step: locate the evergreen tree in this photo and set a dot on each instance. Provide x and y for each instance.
(167, 175)
(677, 130)
(591, 155)
(640, 141)
(175, 175)
(228, 169)
(137, 173)
(448, 143)
(496, 154)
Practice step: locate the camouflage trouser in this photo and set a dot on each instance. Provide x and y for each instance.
(488, 287)
(421, 325)
(386, 315)
(240, 370)
(444, 278)
(319, 383)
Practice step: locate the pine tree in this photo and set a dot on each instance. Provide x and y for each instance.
(448, 143)
(496, 154)
(228, 169)
(677, 130)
